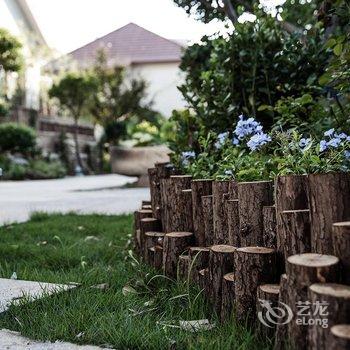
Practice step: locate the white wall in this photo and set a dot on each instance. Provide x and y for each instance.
(162, 80)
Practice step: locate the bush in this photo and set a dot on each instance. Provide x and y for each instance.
(17, 138)
(40, 169)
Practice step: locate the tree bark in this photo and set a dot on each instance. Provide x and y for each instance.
(183, 267)
(336, 297)
(199, 188)
(329, 202)
(156, 257)
(228, 296)
(221, 262)
(219, 189)
(267, 294)
(175, 244)
(148, 225)
(269, 225)
(145, 202)
(340, 337)
(138, 215)
(341, 248)
(186, 198)
(252, 197)
(253, 266)
(291, 193)
(304, 270)
(207, 210)
(296, 228)
(199, 260)
(232, 212)
(152, 239)
(154, 186)
(76, 143)
(203, 280)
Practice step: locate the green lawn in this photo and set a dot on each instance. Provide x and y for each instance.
(93, 250)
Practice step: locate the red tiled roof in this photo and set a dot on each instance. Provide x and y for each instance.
(130, 44)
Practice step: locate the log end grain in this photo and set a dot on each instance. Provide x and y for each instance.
(313, 260)
(331, 289)
(256, 250)
(223, 248)
(341, 331)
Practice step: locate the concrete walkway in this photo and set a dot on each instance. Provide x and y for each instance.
(103, 194)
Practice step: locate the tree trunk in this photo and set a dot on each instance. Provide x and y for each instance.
(291, 193)
(253, 266)
(340, 337)
(199, 260)
(336, 298)
(296, 228)
(76, 144)
(138, 215)
(269, 224)
(281, 335)
(183, 268)
(341, 248)
(228, 296)
(267, 294)
(152, 239)
(148, 225)
(304, 270)
(232, 212)
(252, 197)
(175, 244)
(154, 186)
(199, 188)
(207, 209)
(219, 189)
(329, 202)
(221, 262)
(156, 257)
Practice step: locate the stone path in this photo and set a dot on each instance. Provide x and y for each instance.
(90, 194)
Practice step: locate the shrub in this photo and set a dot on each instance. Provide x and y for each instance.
(17, 138)
(40, 169)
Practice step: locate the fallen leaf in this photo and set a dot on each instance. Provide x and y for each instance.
(196, 325)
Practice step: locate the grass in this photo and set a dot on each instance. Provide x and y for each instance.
(93, 250)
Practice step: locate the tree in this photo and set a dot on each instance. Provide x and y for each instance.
(74, 93)
(10, 52)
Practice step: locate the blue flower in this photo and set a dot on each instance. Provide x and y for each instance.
(258, 140)
(329, 132)
(323, 145)
(334, 142)
(221, 140)
(186, 156)
(347, 154)
(303, 143)
(228, 172)
(342, 136)
(247, 127)
(235, 141)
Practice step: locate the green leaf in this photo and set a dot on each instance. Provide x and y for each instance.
(338, 49)
(265, 107)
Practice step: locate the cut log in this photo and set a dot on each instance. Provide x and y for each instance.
(267, 296)
(269, 224)
(253, 266)
(154, 186)
(147, 207)
(304, 270)
(187, 217)
(175, 209)
(175, 244)
(291, 193)
(156, 257)
(329, 202)
(232, 212)
(228, 296)
(340, 337)
(252, 197)
(199, 260)
(220, 189)
(138, 215)
(296, 228)
(221, 262)
(281, 335)
(330, 306)
(207, 209)
(199, 188)
(183, 267)
(151, 240)
(341, 248)
(146, 202)
(203, 280)
(148, 225)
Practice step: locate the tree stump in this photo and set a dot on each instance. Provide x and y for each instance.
(269, 225)
(281, 335)
(151, 240)
(199, 188)
(154, 185)
(232, 212)
(340, 337)
(147, 207)
(291, 193)
(156, 257)
(221, 262)
(219, 189)
(335, 299)
(341, 248)
(183, 267)
(199, 260)
(304, 270)
(138, 215)
(203, 279)
(329, 202)
(267, 294)
(228, 296)
(296, 228)
(252, 197)
(148, 225)
(146, 202)
(175, 244)
(207, 210)
(253, 266)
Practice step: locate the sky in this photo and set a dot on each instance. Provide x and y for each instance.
(69, 24)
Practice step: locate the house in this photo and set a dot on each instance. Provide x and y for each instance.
(144, 55)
